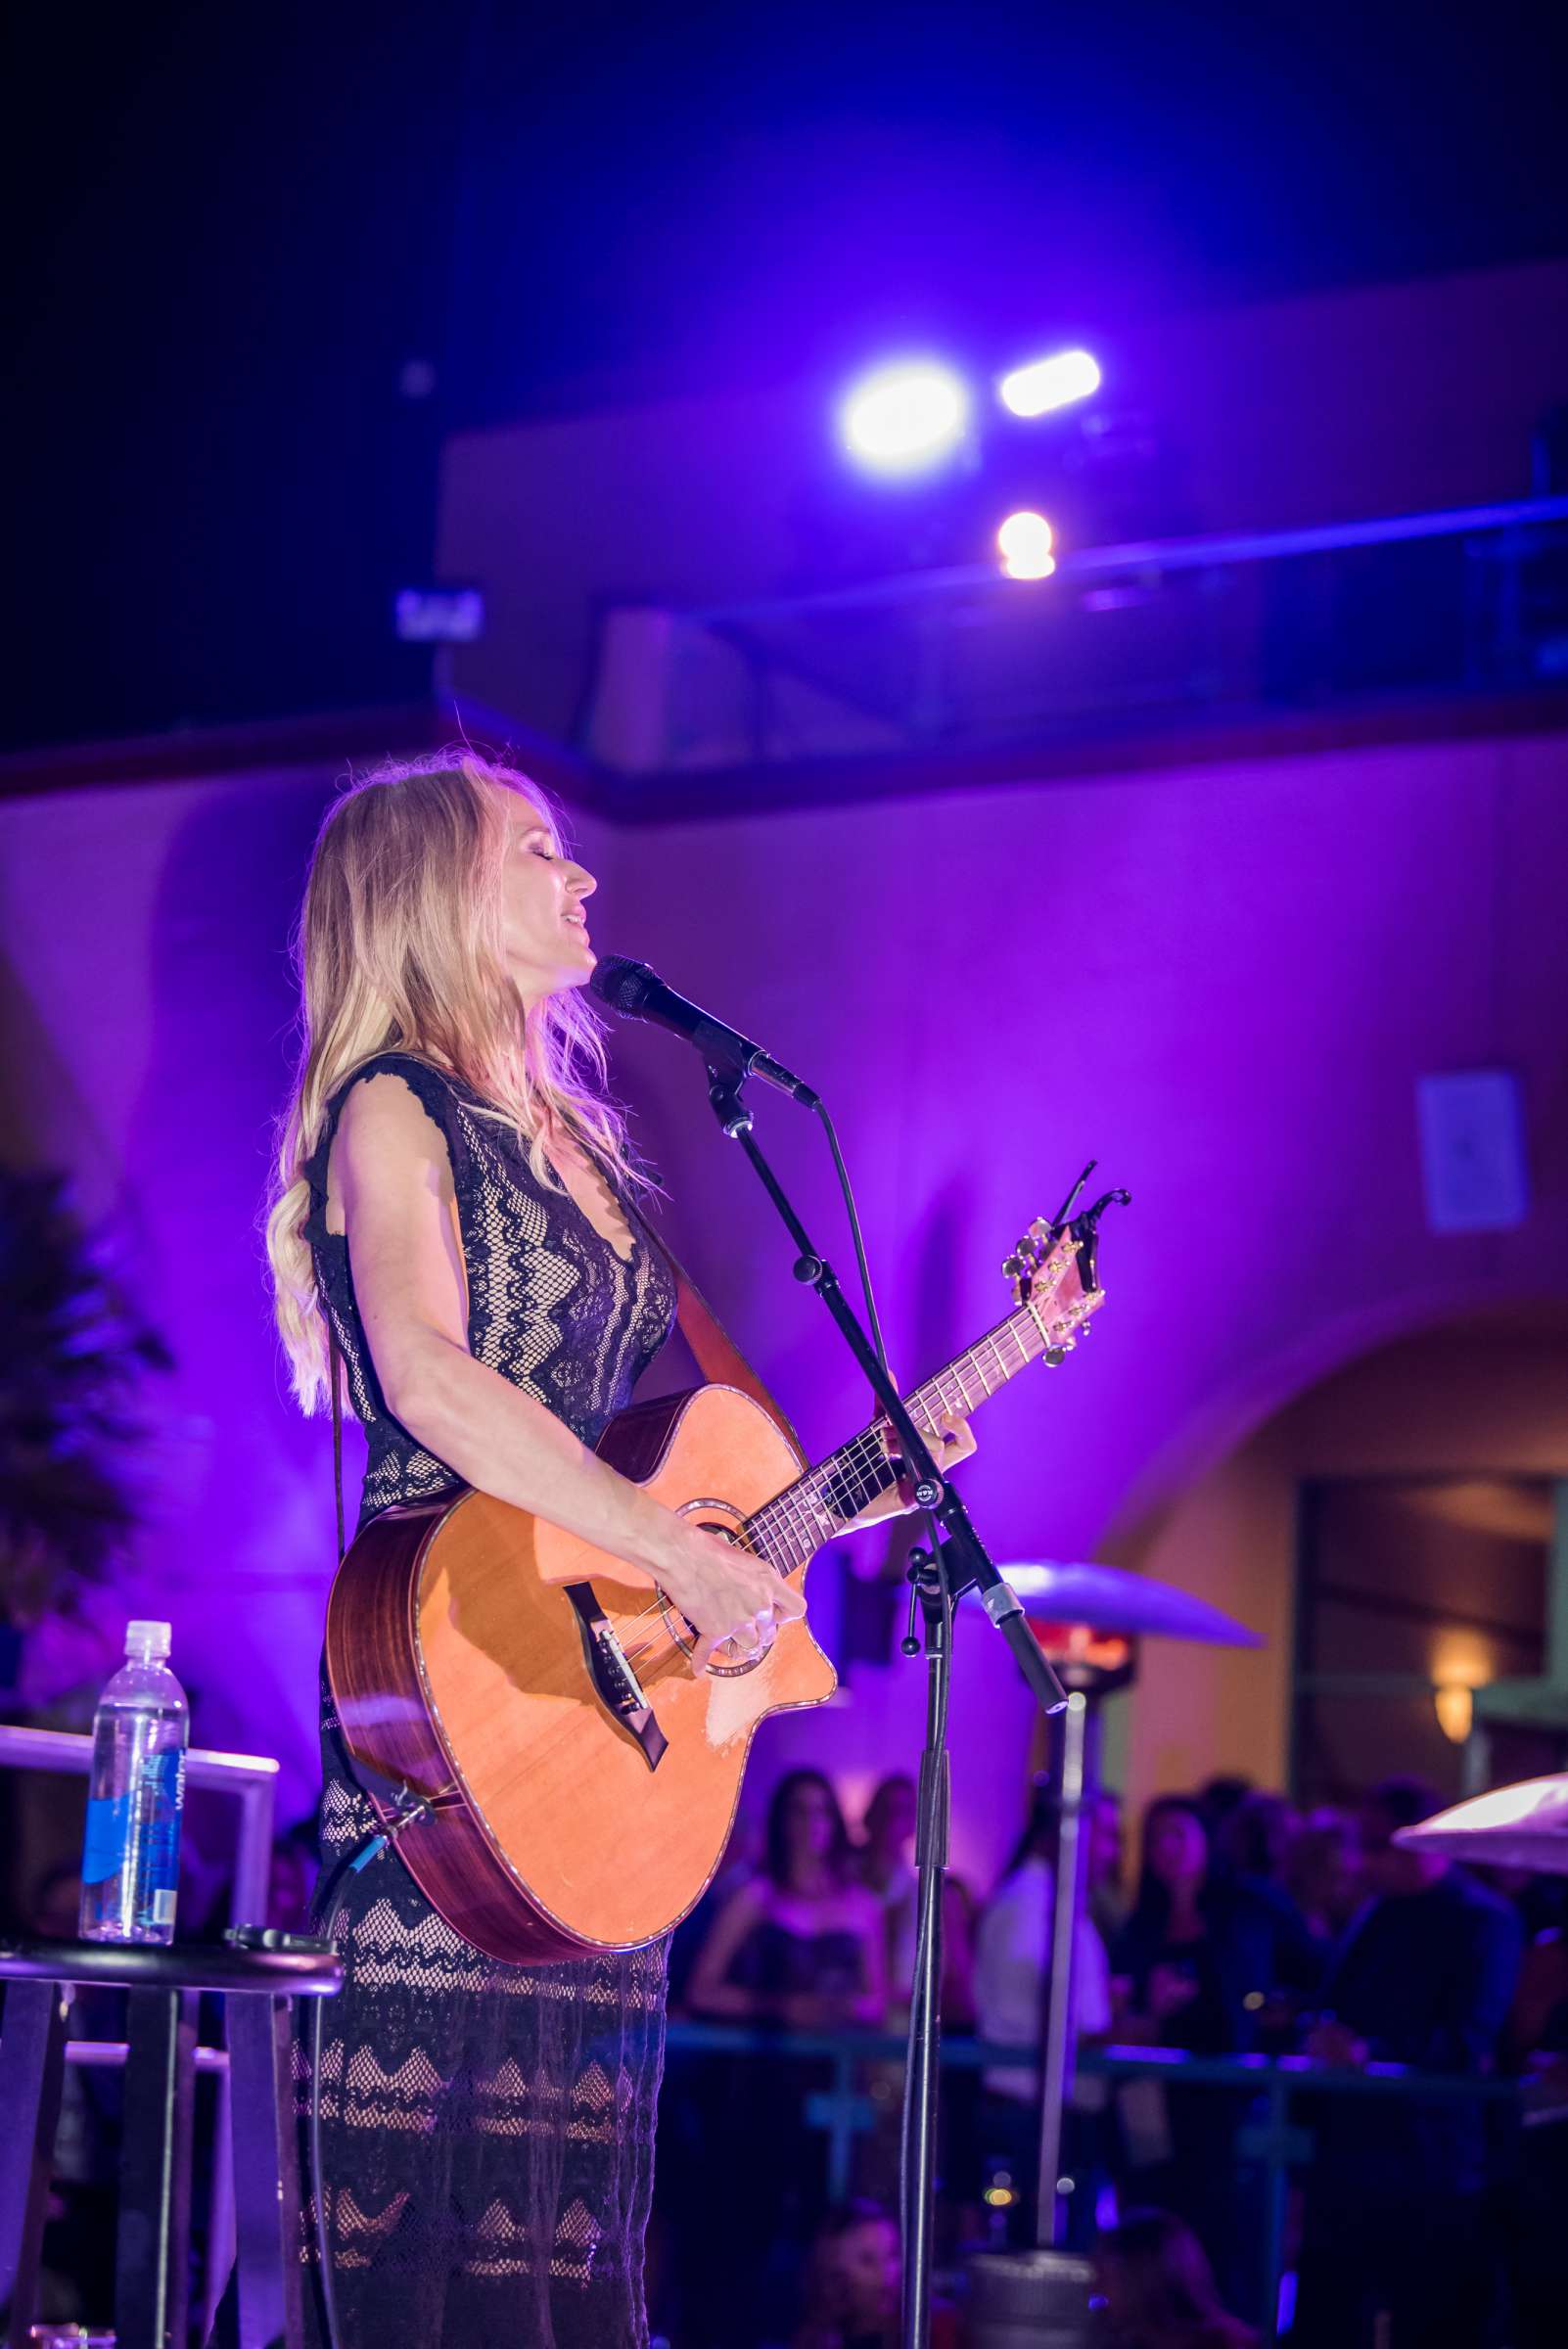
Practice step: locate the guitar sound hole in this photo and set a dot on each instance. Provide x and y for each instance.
(679, 1630)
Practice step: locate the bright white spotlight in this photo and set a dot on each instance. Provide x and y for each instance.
(1024, 541)
(904, 415)
(1046, 384)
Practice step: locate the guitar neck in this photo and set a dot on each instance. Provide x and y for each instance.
(788, 1528)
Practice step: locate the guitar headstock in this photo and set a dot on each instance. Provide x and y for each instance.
(1054, 1279)
(1041, 1262)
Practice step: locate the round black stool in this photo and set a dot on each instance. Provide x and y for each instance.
(258, 1987)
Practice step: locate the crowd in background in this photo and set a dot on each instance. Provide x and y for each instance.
(1244, 1928)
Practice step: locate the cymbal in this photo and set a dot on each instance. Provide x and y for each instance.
(1513, 1827)
(1110, 1599)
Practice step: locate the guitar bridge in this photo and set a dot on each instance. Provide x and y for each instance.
(614, 1684)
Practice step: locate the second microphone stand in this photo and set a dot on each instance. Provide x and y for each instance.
(955, 1562)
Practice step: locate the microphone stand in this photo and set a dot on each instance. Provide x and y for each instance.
(955, 1562)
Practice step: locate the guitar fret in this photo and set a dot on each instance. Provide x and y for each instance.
(788, 1528)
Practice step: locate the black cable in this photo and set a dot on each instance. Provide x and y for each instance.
(928, 1822)
(852, 1212)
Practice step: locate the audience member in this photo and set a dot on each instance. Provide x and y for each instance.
(1255, 1840)
(1423, 1977)
(851, 2298)
(1159, 2289)
(1107, 1896)
(1323, 1874)
(292, 1875)
(884, 1865)
(1216, 1798)
(1201, 1960)
(1201, 1950)
(853, 2283)
(1535, 2043)
(884, 1862)
(883, 1854)
(1012, 1970)
(800, 1942)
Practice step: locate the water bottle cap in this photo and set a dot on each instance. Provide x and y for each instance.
(153, 1639)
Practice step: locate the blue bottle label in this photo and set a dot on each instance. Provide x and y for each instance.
(148, 1813)
(162, 1799)
(105, 1847)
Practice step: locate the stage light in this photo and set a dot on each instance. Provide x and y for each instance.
(904, 415)
(1025, 541)
(1046, 384)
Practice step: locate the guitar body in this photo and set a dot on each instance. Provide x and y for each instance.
(472, 1651)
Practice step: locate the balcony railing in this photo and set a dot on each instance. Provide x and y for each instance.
(1122, 640)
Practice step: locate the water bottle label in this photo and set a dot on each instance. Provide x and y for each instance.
(105, 1845)
(147, 1814)
(163, 1798)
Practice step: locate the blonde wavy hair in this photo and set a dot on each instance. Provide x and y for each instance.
(398, 947)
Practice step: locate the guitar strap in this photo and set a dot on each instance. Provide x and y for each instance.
(717, 1354)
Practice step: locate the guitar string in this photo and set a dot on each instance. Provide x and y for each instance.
(863, 1464)
(862, 1468)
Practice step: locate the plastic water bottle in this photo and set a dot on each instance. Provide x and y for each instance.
(131, 1859)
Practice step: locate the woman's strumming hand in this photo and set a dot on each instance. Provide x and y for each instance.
(731, 1599)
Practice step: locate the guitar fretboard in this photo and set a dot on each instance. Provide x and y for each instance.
(788, 1528)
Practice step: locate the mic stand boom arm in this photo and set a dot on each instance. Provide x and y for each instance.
(958, 1562)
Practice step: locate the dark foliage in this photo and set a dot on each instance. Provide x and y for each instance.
(72, 1353)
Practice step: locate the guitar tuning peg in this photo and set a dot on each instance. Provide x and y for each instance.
(1013, 1266)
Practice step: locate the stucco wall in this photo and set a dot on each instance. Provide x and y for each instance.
(1224, 984)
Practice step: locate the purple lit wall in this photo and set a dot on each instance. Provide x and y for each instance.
(1222, 983)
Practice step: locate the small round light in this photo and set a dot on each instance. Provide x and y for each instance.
(1046, 384)
(1025, 541)
(904, 415)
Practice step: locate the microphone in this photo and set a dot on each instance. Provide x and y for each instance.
(639, 993)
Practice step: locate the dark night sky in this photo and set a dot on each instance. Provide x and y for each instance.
(231, 229)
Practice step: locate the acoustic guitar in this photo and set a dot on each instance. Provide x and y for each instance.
(521, 1707)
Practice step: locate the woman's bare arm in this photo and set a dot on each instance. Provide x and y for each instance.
(392, 1168)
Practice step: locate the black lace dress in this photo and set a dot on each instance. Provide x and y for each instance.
(487, 2128)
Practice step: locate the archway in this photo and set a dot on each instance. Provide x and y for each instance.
(1480, 1395)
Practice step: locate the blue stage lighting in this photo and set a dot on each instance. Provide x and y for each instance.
(906, 416)
(1046, 384)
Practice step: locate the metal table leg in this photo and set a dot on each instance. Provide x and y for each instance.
(152, 2253)
(266, 2172)
(33, 2062)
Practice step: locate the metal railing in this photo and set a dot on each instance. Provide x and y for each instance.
(251, 1780)
(1146, 634)
(1270, 2139)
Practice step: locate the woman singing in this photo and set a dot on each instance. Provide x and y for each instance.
(453, 1188)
